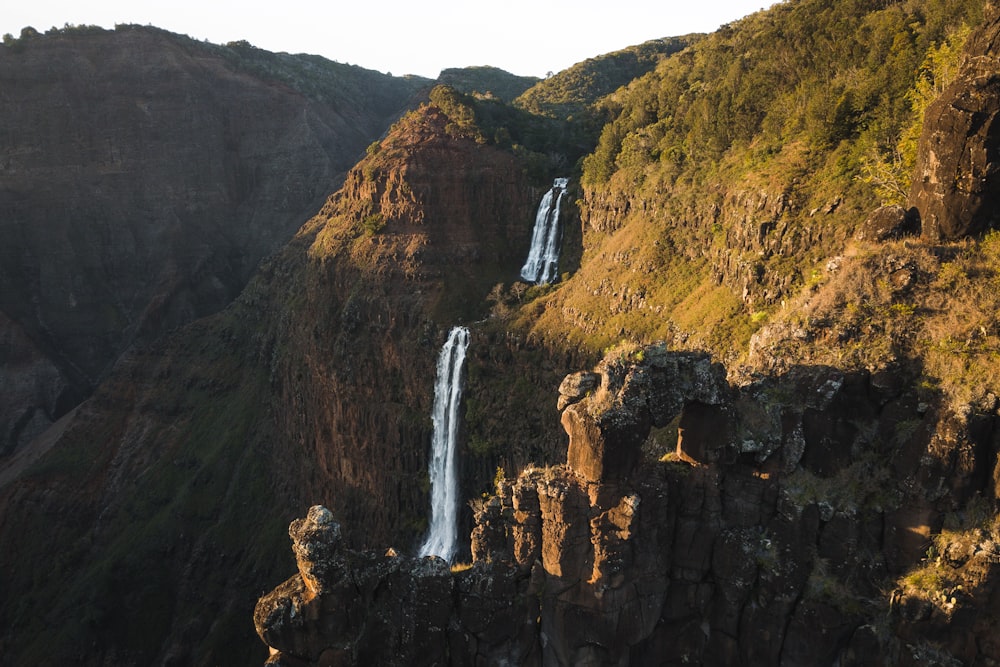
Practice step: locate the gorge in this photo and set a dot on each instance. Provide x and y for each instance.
(752, 418)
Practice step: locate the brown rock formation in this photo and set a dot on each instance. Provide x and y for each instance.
(957, 182)
(143, 176)
(454, 220)
(351, 608)
(803, 504)
(607, 428)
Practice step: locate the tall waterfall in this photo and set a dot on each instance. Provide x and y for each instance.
(442, 539)
(546, 239)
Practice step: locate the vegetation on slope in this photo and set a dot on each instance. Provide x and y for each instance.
(740, 165)
(544, 146)
(316, 77)
(784, 122)
(571, 93)
(486, 81)
(900, 303)
(170, 469)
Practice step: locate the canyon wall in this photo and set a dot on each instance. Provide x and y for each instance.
(828, 499)
(143, 177)
(314, 386)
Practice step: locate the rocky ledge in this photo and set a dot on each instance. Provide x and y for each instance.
(816, 518)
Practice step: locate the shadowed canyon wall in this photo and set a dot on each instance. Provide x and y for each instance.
(315, 384)
(143, 177)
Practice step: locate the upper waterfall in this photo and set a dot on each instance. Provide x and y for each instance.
(546, 239)
(442, 539)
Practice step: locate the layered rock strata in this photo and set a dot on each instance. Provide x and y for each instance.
(787, 522)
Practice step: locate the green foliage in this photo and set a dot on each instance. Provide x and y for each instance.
(372, 224)
(544, 145)
(17, 44)
(487, 81)
(805, 103)
(814, 71)
(888, 163)
(570, 93)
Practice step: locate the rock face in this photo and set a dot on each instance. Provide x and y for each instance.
(454, 217)
(607, 428)
(346, 608)
(143, 176)
(770, 535)
(956, 186)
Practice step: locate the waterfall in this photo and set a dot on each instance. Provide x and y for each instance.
(546, 239)
(442, 540)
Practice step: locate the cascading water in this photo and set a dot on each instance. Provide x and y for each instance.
(546, 239)
(442, 540)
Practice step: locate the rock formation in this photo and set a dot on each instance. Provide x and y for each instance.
(771, 534)
(957, 181)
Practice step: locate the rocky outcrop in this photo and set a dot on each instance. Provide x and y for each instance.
(771, 533)
(336, 587)
(956, 186)
(143, 176)
(608, 427)
(887, 223)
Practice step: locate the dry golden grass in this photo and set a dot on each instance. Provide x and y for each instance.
(933, 305)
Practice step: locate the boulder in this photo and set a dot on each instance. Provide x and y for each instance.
(576, 386)
(888, 223)
(957, 180)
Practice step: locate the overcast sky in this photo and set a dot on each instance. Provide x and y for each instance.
(527, 37)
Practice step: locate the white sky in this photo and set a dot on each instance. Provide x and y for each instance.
(526, 37)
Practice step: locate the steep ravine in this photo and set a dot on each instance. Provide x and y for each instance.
(821, 506)
(315, 384)
(831, 502)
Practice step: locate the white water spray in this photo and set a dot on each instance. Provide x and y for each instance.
(442, 539)
(546, 239)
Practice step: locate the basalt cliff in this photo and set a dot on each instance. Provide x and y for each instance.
(778, 261)
(766, 535)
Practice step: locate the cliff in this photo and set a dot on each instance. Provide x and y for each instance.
(957, 173)
(729, 175)
(829, 497)
(144, 176)
(695, 522)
